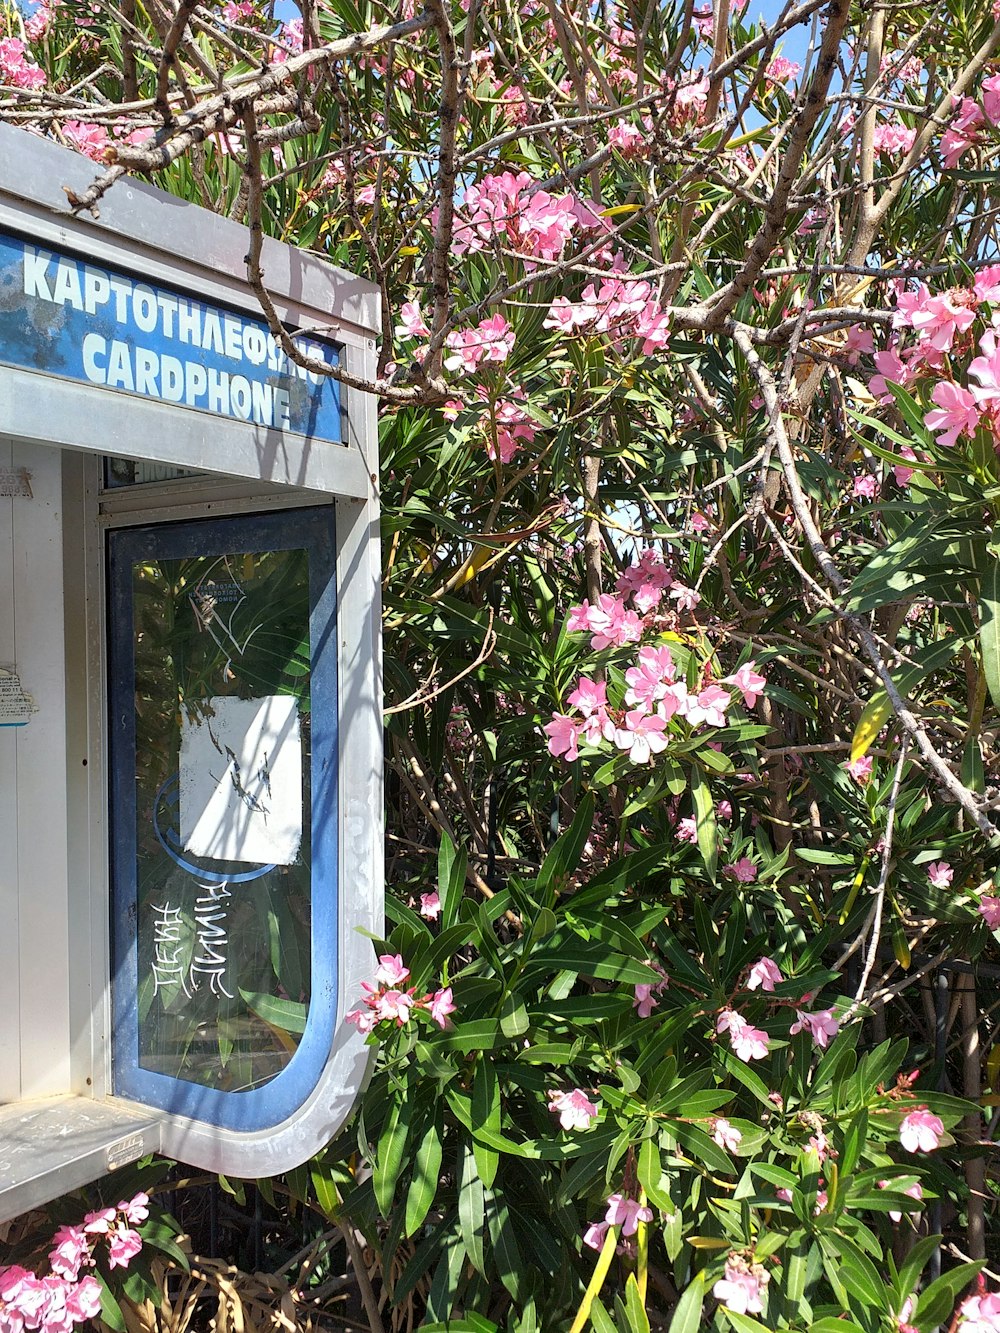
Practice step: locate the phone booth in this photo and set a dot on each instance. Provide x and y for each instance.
(190, 694)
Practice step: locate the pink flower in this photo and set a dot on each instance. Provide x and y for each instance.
(940, 874)
(780, 70)
(123, 1245)
(390, 970)
(708, 707)
(961, 134)
(743, 870)
(865, 487)
(394, 1005)
(363, 1019)
(980, 1314)
(575, 1109)
(739, 1289)
(644, 1001)
(957, 412)
(70, 1248)
(821, 1025)
(921, 1131)
(725, 1135)
(564, 733)
(83, 1301)
(626, 1213)
(595, 1234)
(411, 321)
(915, 1190)
(986, 369)
(748, 681)
(430, 906)
(441, 1006)
(642, 736)
(989, 909)
(135, 1209)
(987, 281)
(902, 473)
(724, 810)
(748, 1043)
(99, 1222)
(699, 522)
(686, 831)
(860, 769)
(15, 68)
(591, 697)
(491, 340)
(686, 598)
(765, 974)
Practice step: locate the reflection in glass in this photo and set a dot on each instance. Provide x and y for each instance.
(223, 813)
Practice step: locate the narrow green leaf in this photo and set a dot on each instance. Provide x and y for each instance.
(704, 814)
(391, 1151)
(486, 1115)
(425, 1178)
(989, 622)
(472, 1209)
(687, 1316)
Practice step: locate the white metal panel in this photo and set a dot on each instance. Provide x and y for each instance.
(41, 777)
(10, 996)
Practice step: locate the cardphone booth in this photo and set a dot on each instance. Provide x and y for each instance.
(190, 696)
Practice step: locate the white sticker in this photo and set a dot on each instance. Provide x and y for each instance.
(241, 781)
(16, 705)
(16, 483)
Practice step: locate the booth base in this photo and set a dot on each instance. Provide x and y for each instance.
(56, 1144)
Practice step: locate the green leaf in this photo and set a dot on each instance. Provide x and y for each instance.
(451, 880)
(938, 1300)
(513, 1017)
(704, 814)
(391, 1150)
(288, 1015)
(879, 710)
(486, 1115)
(506, 1252)
(564, 855)
(472, 1209)
(425, 1179)
(687, 1316)
(743, 1323)
(638, 1320)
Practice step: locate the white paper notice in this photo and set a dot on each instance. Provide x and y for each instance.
(241, 781)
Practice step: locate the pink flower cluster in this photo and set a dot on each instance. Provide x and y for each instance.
(620, 307)
(511, 211)
(921, 1130)
(622, 1212)
(387, 1002)
(980, 1314)
(654, 698)
(67, 1296)
(820, 1025)
(16, 70)
(965, 128)
(491, 340)
(748, 1043)
(506, 425)
(741, 1287)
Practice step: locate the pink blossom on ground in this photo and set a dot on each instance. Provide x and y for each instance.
(726, 1135)
(957, 413)
(980, 1314)
(860, 769)
(739, 1289)
(921, 1131)
(430, 906)
(626, 1213)
(748, 681)
(988, 908)
(940, 874)
(765, 975)
(441, 1006)
(390, 970)
(914, 1189)
(821, 1025)
(743, 870)
(748, 1043)
(574, 1108)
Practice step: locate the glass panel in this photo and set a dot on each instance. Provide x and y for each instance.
(222, 814)
(130, 472)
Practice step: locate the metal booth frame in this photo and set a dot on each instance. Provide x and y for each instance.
(61, 1125)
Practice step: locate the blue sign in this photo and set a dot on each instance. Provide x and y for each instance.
(66, 317)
